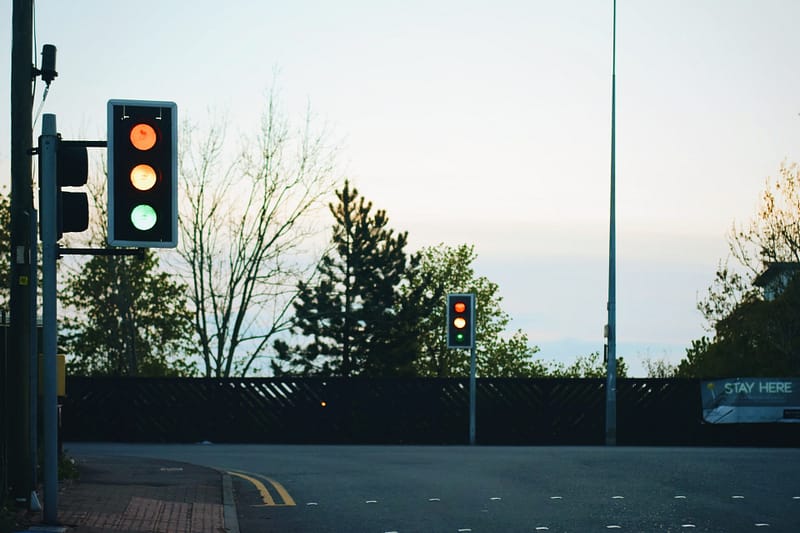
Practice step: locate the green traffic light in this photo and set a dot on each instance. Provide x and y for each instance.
(143, 217)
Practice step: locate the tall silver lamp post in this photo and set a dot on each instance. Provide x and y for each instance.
(611, 368)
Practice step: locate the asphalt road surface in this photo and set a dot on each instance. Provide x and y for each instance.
(354, 489)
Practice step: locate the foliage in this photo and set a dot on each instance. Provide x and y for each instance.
(128, 319)
(587, 366)
(660, 368)
(358, 317)
(751, 336)
(773, 235)
(758, 338)
(446, 270)
(243, 234)
(5, 250)
(67, 468)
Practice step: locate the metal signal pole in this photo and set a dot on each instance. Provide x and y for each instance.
(49, 224)
(611, 368)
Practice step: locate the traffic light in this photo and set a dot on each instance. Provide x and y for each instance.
(142, 173)
(72, 170)
(460, 320)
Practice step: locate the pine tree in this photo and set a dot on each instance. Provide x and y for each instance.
(355, 316)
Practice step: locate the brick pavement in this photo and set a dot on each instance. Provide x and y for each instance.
(134, 495)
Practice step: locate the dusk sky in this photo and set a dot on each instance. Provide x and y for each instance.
(486, 123)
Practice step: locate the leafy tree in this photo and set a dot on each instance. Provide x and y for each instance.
(356, 315)
(244, 229)
(130, 319)
(758, 338)
(448, 269)
(124, 315)
(589, 366)
(660, 368)
(5, 249)
(772, 235)
(743, 324)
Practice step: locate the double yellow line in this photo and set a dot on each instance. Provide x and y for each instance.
(266, 497)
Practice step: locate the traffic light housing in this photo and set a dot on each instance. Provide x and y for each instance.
(460, 320)
(142, 173)
(72, 170)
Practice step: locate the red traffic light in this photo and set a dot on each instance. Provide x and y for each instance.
(143, 136)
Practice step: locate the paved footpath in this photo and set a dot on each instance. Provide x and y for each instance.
(135, 495)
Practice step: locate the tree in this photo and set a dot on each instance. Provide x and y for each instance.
(758, 338)
(749, 334)
(448, 269)
(356, 316)
(130, 319)
(5, 249)
(126, 316)
(772, 235)
(243, 235)
(589, 366)
(660, 368)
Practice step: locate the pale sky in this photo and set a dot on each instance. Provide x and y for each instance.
(487, 123)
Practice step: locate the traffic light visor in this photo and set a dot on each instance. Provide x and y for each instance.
(143, 136)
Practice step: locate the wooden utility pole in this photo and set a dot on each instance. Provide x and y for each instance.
(22, 337)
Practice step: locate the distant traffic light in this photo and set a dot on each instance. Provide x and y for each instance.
(72, 170)
(460, 320)
(142, 173)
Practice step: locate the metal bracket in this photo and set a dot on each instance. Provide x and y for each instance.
(138, 252)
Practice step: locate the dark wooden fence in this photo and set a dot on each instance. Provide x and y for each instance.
(397, 411)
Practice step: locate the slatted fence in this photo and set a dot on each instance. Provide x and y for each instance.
(396, 411)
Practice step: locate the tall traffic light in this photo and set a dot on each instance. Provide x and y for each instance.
(142, 173)
(460, 320)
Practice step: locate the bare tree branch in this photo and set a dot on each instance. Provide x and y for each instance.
(245, 231)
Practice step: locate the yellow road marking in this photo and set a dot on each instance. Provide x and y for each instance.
(266, 497)
(287, 500)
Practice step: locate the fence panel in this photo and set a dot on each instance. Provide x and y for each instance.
(663, 412)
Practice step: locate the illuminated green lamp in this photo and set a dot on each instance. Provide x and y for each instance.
(143, 217)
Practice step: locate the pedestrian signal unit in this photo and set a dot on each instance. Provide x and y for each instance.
(142, 173)
(460, 320)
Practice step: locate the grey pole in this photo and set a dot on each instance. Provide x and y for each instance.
(472, 394)
(473, 364)
(611, 368)
(49, 187)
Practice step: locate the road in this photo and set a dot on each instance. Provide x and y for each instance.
(382, 489)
